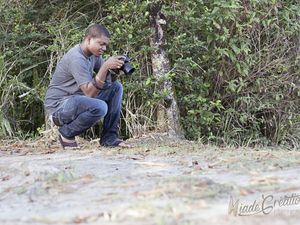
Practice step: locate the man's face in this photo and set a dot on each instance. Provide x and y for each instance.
(97, 46)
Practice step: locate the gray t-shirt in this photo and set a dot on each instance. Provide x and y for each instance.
(73, 70)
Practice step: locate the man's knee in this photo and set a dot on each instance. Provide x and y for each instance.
(99, 109)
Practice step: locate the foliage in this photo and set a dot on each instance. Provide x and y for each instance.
(235, 64)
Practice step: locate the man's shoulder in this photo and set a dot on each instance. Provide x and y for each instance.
(74, 53)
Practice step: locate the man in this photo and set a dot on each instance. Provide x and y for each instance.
(76, 100)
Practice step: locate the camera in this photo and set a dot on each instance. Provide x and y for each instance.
(127, 68)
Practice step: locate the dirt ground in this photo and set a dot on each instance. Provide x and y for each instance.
(160, 181)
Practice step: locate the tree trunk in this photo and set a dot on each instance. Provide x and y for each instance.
(168, 113)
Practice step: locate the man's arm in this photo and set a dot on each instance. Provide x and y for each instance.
(93, 87)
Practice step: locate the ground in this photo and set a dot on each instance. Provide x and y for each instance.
(160, 181)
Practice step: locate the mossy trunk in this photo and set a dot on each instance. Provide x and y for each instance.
(167, 113)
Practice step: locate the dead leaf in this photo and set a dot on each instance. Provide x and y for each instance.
(7, 177)
(264, 180)
(79, 219)
(87, 178)
(245, 192)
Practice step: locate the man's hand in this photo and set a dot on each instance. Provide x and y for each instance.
(114, 62)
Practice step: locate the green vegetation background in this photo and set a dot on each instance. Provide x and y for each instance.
(234, 64)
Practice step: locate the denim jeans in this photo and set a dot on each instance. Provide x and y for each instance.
(80, 112)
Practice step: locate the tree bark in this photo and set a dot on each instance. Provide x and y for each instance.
(168, 113)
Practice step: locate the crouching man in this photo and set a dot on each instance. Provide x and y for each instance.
(76, 100)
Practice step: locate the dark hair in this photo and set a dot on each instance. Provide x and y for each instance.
(96, 30)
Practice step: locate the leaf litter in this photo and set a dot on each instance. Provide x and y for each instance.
(159, 181)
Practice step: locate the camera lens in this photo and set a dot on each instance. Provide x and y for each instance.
(127, 68)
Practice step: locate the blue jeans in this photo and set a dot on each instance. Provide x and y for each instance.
(80, 112)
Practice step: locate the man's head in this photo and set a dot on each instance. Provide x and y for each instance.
(96, 39)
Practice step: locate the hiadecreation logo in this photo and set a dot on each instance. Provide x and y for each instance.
(265, 205)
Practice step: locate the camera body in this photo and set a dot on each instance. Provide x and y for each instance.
(127, 68)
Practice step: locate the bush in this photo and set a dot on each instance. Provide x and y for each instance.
(235, 64)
